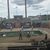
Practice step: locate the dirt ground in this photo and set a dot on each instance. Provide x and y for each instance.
(14, 41)
(4, 41)
(24, 39)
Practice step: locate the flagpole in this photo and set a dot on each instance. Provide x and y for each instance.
(25, 9)
(8, 9)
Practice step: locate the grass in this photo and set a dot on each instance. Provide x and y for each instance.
(16, 34)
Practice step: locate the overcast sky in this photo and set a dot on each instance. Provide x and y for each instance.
(34, 7)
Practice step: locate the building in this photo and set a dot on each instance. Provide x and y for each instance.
(1, 19)
(26, 23)
(34, 17)
(45, 17)
(18, 17)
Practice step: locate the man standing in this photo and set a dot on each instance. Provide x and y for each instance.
(20, 36)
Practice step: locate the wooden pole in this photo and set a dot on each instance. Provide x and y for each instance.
(8, 9)
(26, 8)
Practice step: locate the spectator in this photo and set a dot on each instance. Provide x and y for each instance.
(45, 36)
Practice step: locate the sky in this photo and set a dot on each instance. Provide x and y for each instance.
(34, 7)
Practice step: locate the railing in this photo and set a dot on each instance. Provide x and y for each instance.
(28, 48)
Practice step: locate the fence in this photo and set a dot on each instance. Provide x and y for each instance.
(25, 48)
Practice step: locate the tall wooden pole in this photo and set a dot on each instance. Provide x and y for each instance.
(26, 8)
(8, 9)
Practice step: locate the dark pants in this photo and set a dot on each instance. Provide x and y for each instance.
(20, 37)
